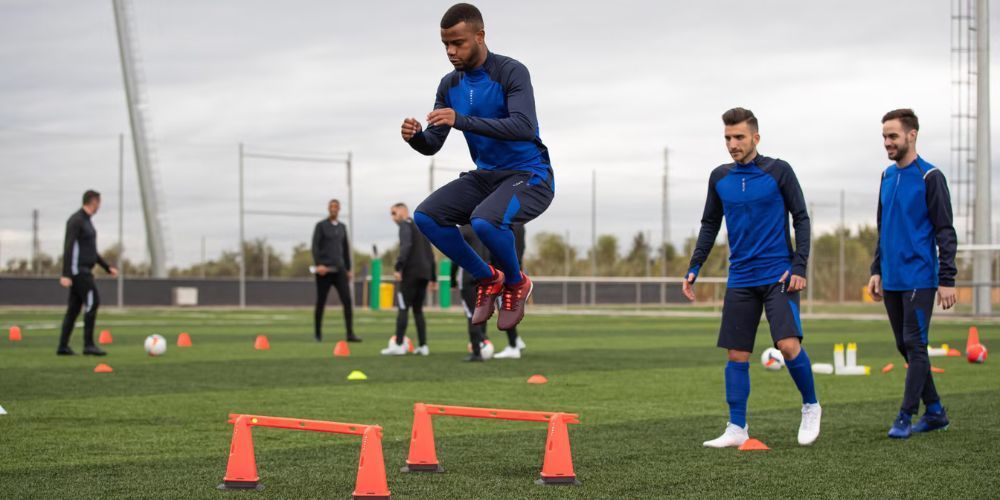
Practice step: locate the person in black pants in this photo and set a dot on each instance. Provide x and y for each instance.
(79, 256)
(331, 251)
(414, 271)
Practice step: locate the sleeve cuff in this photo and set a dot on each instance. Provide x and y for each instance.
(460, 121)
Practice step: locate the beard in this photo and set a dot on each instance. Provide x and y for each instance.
(901, 152)
(469, 63)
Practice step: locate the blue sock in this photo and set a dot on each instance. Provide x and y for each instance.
(801, 370)
(449, 240)
(501, 245)
(934, 407)
(738, 391)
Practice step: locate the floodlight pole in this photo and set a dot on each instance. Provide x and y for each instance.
(981, 217)
(121, 218)
(350, 193)
(243, 255)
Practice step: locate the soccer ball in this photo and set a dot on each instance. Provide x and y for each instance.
(485, 348)
(977, 354)
(772, 359)
(406, 342)
(156, 345)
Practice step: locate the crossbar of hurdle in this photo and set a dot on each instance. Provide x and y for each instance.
(557, 467)
(241, 471)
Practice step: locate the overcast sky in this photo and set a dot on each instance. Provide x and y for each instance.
(614, 83)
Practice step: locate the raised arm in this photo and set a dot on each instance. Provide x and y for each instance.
(429, 142)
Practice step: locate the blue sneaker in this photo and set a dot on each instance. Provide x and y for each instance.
(932, 422)
(901, 427)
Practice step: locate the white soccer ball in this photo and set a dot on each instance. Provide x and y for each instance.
(406, 343)
(772, 359)
(485, 349)
(156, 345)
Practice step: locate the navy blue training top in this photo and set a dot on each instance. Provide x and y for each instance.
(914, 225)
(755, 200)
(495, 108)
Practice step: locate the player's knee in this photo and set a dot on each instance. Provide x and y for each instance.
(914, 346)
(789, 347)
(739, 356)
(424, 222)
(482, 227)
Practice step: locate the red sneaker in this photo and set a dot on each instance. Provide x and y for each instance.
(486, 297)
(512, 303)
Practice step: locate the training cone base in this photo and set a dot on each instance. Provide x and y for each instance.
(103, 368)
(753, 445)
(422, 468)
(537, 379)
(341, 349)
(557, 481)
(357, 375)
(234, 485)
(183, 340)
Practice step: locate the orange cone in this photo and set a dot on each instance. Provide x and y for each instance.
(241, 471)
(954, 353)
(261, 344)
(341, 349)
(537, 379)
(183, 340)
(103, 368)
(105, 337)
(558, 465)
(15, 333)
(888, 368)
(753, 445)
(371, 481)
(935, 369)
(973, 338)
(423, 456)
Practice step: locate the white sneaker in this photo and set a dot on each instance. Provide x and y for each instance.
(423, 350)
(520, 344)
(394, 349)
(809, 428)
(734, 436)
(508, 353)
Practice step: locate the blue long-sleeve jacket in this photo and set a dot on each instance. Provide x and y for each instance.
(916, 237)
(755, 199)
(495, 108)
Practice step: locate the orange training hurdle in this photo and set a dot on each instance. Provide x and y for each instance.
(557, 467)
(241, 471)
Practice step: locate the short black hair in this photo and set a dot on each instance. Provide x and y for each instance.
(736, 116)
(400, 205)
(906, 117)
(333, 201)
(91, 195)
(462, 12)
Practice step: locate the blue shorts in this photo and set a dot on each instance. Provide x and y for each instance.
(502, 197)
(741, 315)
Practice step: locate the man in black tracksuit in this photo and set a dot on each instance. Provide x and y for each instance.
(79, 256)
(415, 269)
(331, 252)
(466, 285)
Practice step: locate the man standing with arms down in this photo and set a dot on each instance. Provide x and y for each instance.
(490, 99)
(414, 272)
(79, 256)
(331, 251)
(755, 194)
(914, 261)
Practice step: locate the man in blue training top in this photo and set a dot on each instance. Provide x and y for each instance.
(489, 98)
(914, 260)
(755, 195)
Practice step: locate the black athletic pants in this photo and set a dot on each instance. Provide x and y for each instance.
(82, 295)
(411, 294)
(339, 281)
(910, 317)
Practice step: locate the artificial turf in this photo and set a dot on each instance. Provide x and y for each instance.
(648, 392)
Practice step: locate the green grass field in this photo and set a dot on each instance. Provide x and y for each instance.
(648, 391)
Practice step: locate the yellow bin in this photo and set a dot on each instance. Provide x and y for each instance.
(386, 292)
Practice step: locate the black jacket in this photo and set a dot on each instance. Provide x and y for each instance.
(80, 246)
(416, 258)
(330, 246)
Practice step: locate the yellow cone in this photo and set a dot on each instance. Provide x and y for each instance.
(357, 375)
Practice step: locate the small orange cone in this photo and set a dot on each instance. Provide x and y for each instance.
(557, 467)
(241, 470)
(15, 333)
(261, 344)
(371, 482)
(341, 349)
(105, 337)
(954, 353)
(102, 368)
(537, 379)
(422, 456)
(753, 445)
(935, 369)
(973, 338)
(888, 368)
(184, 340)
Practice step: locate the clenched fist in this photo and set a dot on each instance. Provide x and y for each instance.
(410, 128)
